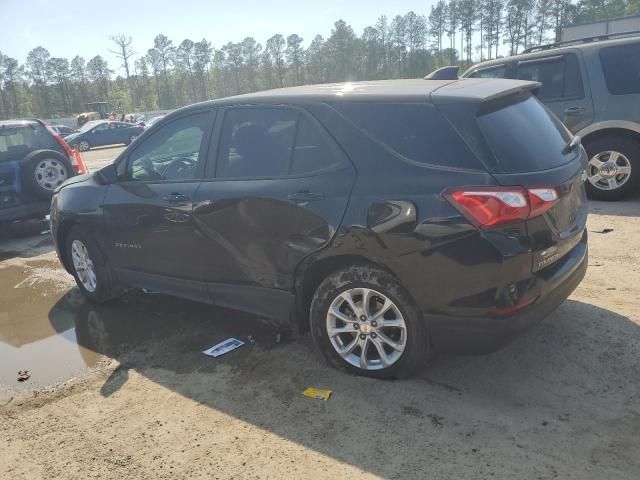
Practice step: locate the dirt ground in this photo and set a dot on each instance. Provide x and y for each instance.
(139, 401)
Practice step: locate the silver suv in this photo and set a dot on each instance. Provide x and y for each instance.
(593, 86)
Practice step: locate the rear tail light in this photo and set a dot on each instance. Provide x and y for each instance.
(79, 166)
(488, 207)
(62, 143)
(542, 199)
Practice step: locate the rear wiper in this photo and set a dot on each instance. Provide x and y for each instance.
(575, 142)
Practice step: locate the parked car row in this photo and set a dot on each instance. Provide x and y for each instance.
(392, 219)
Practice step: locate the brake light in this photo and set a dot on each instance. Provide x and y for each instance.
(488, 207)
(542, 199)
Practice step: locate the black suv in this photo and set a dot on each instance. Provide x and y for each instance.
(34, 161)
(392, 218)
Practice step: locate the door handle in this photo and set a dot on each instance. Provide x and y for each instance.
(176, 198)
(305, 196)
(574, 111)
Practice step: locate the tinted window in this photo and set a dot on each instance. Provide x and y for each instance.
(313, 150)
(525, 136)
(256, 142)
(621, 66)
(496, 72)
(560, 76)
(172, 152)
(415, 131)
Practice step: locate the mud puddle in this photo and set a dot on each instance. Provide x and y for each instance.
(48, 329)
(35, 333)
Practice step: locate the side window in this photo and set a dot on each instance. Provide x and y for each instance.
(101, 128)
(621, 67)
(256, 142)
(415, 131)
(495, 72)
(313, 151)
(560, 76)
(172, 152)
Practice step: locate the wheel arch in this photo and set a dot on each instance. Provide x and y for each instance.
(61, 239)
(313, 272)
(613, 130)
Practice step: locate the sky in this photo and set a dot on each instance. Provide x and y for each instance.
(82, 27)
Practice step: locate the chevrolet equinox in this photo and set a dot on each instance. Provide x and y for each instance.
(393, 219)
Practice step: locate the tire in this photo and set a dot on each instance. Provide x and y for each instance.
(43, 171)
(378, 284)
(102, 290)
(131, 139)
(603, 150)
(84, 146)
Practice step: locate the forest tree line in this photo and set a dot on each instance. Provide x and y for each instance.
(170, 75)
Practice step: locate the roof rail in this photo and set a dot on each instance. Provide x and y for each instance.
(578, 41)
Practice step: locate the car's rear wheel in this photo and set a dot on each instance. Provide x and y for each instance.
(43, 171)
(83, 146)
(131, 139)
(364, 322)
(89, 266)
(613, 171)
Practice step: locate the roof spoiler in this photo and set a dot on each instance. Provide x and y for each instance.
(526, 86)
(444, 73)
(506, 97)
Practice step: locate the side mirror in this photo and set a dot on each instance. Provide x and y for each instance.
(107, 175)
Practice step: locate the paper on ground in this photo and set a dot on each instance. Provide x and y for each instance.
(317, 393)
(223, 347)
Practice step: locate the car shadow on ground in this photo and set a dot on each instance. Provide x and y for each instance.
(562, 392)
(28, 238)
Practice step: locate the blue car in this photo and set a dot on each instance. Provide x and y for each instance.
(102, 132)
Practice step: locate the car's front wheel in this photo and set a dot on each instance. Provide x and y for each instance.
(613, 171)
(364, 322)
(83, 146)
(89, 266)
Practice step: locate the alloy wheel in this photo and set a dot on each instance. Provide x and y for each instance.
(83, 146)
(609, 170)
(366, 329)
(83, 266)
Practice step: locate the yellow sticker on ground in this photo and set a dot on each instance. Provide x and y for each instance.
(317, 393)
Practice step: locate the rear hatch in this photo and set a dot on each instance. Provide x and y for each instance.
(524, 145)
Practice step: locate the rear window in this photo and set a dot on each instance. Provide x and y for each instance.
(621, 67)
(524, 135)
(417, 132)
(17, 142)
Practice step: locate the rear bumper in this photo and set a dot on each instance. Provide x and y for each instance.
(25, 210)
(476, 335)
